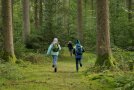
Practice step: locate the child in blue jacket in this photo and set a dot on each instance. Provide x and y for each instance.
(78, 52)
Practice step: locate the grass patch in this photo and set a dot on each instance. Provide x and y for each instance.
(40, 76)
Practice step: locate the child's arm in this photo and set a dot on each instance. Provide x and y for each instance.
(59, 47)
(49, 50)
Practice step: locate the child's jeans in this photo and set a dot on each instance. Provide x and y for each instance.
(55, 58)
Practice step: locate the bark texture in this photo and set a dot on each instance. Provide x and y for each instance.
(104, 54)
(9, 55)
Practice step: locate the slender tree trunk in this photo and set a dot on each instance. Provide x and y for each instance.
(26, 21)
(129, 5)
(65, 18)
(36, 17)
(40, 14)
(85, 10)
(80, 22)
(92, 14)
(104, 54)
(49, 14)
(0, 15)
(92, 7)
(117, 16)
(12, 1)
(64, 15)
(69, 17)
(8, 31)
(130, 16)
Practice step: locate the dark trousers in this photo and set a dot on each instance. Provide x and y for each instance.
(78, 61)
(71, 52)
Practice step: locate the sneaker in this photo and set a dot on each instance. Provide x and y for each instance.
(80, 64)
(55, 69)
(53, 66)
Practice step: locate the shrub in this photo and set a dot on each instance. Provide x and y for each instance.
(125, 82)
(124, 58)
(10, 71)
(36, 58)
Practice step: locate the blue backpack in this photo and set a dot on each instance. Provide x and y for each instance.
(79, 49)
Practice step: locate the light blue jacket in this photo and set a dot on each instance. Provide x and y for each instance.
(49, 51)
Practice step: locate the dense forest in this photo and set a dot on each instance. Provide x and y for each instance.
(105, 29)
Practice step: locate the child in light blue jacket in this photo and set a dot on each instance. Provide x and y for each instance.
(53, 50)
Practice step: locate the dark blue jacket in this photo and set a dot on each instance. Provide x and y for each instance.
(74, 50)
(76, 55)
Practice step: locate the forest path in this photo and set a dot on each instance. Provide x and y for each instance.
(43, 77)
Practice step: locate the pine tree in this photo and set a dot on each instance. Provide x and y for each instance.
(26, 21)
(9, 55)
(104, 54)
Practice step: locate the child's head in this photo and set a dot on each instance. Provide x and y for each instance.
(55, 40)
(70, 42)
(77, 42)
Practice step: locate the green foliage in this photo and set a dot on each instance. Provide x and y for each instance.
(8, 57)
(125, 81)
(10, 71)
(89, 25)
(35, 42)
(113, 81)
(125, 59)
(40, 75)
(23, 63)
(20, 49)
(36, 58)
(53, 24)
(122, 31)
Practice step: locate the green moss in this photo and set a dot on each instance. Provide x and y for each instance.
(9, 58)
(105, 60)
(130, 64)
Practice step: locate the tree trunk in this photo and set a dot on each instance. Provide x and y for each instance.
(65, 14)
(69, 18)
(9, 55)
(26, 21)
(80, 22)
(104, 54)
(40, 14)
(0, 16)
(36, 17)
(85, 10)
(49, 14)
(92, 7)
(12, 1)
(129, 5)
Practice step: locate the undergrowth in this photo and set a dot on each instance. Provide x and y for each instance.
(10, 71)
(35, 69)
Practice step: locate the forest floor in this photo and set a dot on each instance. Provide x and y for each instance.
(42, 76)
